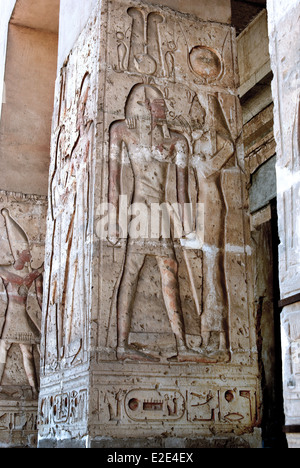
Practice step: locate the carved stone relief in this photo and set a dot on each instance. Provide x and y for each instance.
(172, 136)
(192, 406)
(187, 128)
(147, 239)
(152, 149)
(22, 238)
(64, 325)
(284, 54)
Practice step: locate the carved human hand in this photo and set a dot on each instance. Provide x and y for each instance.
(192, 241)
(213, 165)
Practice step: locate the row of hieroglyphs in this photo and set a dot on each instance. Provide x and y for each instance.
(67, 407)
(235, 406)
(18, 421)
(140, 405)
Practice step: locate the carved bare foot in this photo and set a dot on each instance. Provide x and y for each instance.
(134, 355)
(190, 355)
(220, 355)
(185, 354)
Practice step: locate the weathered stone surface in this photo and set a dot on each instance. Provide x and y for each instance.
(147, 335)
(263, 188)
(253, 53)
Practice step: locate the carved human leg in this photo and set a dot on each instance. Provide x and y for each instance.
(132, 268)
(170, 288)
(215, 314)
(29, 366)
(4, 348)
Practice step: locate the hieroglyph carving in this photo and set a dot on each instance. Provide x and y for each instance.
(198, 405)
(150, 45)
(143, 54)
(63, 408)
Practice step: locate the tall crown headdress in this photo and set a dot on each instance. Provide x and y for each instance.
(17, 238)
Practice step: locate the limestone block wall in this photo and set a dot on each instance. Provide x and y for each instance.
(253, 53)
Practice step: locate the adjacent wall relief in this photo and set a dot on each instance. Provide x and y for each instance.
(22, 240)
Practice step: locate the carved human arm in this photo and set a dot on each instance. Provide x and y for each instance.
(4, 271)
(39, 290)
(215, 164)
(114, 177)
(182, 179)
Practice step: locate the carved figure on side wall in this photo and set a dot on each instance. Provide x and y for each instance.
(69, 201)
(18, 278)
(59, 197)
(76, 286)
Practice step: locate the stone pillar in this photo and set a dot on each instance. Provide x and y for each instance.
(284, 49)
(148, 335)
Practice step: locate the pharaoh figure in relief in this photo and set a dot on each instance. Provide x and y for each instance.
(152, 148)
(18, 278)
